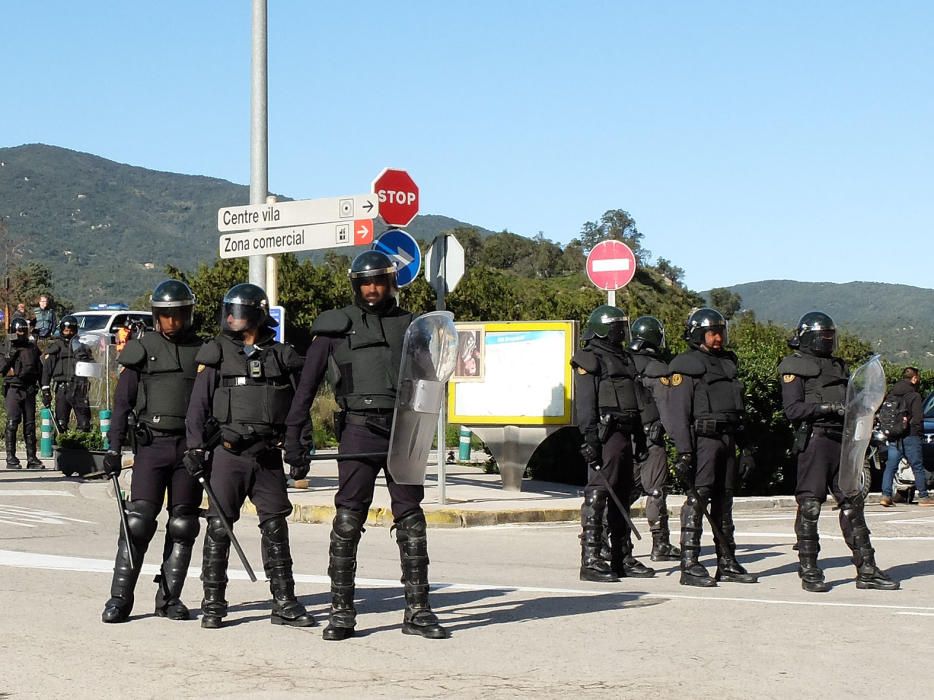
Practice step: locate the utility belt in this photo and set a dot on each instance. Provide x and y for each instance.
(618, 423)
(833, 432)
(378, 420)
(244, 381)
(249, 445)
(714, 428)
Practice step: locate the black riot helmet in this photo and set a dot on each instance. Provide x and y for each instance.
(816, 334)
(172, 299)
(373, 266)
(701, 321)
(608, 322)
(246, 307)
(19, 329)
(68, 323)
(648, 335)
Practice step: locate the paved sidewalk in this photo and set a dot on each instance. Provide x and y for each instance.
(472, 498)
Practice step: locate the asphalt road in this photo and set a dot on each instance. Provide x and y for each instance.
(522, 623)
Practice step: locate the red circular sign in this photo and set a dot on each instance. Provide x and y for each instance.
(611, 265)
(398, 196)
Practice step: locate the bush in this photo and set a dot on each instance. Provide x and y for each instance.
(79, 440)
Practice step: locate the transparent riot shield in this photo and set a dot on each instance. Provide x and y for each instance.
(96, 371)
(864, 394)
(429, 353)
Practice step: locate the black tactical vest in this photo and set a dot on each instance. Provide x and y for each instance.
(719, 394)
(367, 359)
(616, 392)
(27, 368)
(648, 367)
(167, 375)
(66, 354)
(254, 393)
(828, 385)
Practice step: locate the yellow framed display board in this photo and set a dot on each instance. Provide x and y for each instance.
(524, 378)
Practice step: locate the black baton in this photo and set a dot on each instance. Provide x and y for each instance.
(233, 539)
(123, 521)
(619, 504)
(357, 455)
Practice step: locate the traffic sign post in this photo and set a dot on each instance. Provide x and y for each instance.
(611, 265)
(298, 213)
(296, 239)
(403, 250)
(444, 265)
(398, 196)
(278, 313)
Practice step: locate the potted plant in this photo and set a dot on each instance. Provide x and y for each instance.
(79, 453)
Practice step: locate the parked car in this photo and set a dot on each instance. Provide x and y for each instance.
(104, 323)
(927, 446)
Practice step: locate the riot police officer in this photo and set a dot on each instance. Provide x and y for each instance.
(58, 366)
(21, 369)
(157, 374)
(360, 349)
(814, 385)
(607, 415)
(651, 470)
(246, 383)
(704, 408)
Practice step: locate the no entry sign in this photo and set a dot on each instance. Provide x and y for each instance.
(611, 265)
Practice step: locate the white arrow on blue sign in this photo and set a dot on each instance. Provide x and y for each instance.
(403, 250)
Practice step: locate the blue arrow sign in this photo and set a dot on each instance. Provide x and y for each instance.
(403, 250)
(278, 313)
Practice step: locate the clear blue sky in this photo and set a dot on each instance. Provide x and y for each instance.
(750, 140)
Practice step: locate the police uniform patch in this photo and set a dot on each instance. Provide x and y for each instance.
(581, 370)
(789, 378)
(664, 380)
(676, 379)
(201, 368)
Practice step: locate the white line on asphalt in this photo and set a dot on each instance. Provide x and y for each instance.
(920, 614)
(791, 536)
(33, 560)
(21, 516)
(33, 492)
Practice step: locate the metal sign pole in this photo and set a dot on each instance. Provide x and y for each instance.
(259, 146)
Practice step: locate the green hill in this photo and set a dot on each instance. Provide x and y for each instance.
(898, 320)
(107, 230)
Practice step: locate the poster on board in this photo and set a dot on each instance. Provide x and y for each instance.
(524, 375)
(470, 346)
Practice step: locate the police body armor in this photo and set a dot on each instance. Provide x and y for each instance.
(718, 402)
(27, 368)
(825, 381)
(616, 392)
(364, 369)
(167, 374)
(648, 367)
(253, 395)
(66, 354)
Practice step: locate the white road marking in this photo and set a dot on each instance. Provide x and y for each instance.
(54, 562)
(28, 517)
(34, 492)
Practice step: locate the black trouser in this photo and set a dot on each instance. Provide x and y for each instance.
(357, 478)
(72, 396)
(716, 475)
(819, 472)
(158, 471)
(20, 404)
(259, 476)
(650, 475)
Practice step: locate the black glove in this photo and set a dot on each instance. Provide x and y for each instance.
(196, 462)
(747, 464)
(298, 457)
(830, 409)
(46, 396)
(684, 467)
(591, 455)
(113, 462)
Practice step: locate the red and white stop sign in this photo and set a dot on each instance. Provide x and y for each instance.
(398, 196)
(611, 265)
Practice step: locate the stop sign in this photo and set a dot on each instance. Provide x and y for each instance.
(611, 265)
(398, 196)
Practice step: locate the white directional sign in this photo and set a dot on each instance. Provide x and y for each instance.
(444, 262)
(299, 213)
(296, 238)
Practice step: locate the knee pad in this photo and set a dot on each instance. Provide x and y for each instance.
(275, 529)
(704, 492)
(141, 520)
(810, 508)
(12, 424)
(183, 524)
(413, 524)
(216, 531)
(348, 523)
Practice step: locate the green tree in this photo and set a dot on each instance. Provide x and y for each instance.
(725, 301)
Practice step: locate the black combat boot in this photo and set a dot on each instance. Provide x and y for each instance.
(594, 567)
(728, 569)
(277, 559)
(12, 461)
(692, 519)
(181, 531)
(411, 536)
(812, 578)
(141, 519)
(622, 562)
(214, 574)
(662, 549)
(856, 534)
(342, 567)
(29, 437)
